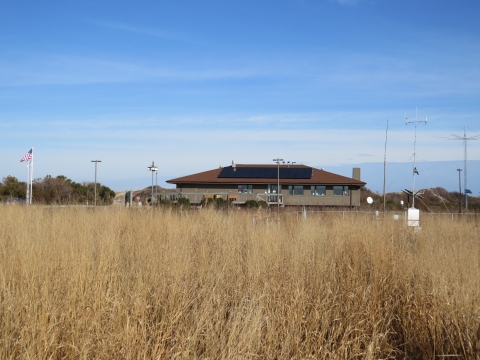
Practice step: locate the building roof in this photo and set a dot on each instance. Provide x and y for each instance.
(318, 176)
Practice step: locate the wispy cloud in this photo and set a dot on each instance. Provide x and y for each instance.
(337, 145)
(73, 70)
(142, 31)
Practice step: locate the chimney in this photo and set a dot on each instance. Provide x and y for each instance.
(356, 174)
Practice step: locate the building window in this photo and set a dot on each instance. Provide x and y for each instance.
(337, 190)
(340, 190)
(245, 189)
(273, 189)
(295, 189)
(318, 190)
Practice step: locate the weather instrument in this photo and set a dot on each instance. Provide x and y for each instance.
(465, 139)
(413, 214)
(415, 172)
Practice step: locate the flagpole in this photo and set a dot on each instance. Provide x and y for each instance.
(31, 179)
(27, 195)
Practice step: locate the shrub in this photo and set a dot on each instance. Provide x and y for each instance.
(262, 204)
(184, 202)
(165, 202)
(254, 204)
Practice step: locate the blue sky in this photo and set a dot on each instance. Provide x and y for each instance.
(194, 85)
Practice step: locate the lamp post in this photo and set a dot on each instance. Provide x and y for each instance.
(278, 183)
(152, 169)
(96, 161)
(156, 185)
(459, 192)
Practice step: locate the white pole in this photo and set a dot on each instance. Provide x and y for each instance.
(96, 162)
(31, 179)
(27, 195)
(465, 166)
(385, 169)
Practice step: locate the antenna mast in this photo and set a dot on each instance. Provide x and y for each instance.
(465, 139)
(416, 122)
(385, 168)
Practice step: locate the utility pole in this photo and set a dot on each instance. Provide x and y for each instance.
(385, 170)
(96, 161)
(156, 185)
(278, 183)
(465, 139)
(152, 169)
(459, 192)
(416, 122)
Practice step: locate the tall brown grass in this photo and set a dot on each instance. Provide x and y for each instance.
(120, 284)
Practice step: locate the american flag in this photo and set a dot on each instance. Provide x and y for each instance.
(28, 156)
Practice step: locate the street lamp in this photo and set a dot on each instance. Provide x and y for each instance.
(156, 185)
(96, 161)
(459, 192)
(278, 182)
(152, 169)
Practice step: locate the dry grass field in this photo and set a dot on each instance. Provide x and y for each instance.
(118, 284)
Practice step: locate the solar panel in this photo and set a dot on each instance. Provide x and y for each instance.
(265, 173)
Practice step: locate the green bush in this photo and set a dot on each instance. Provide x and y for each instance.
(262, 204)
(220, 201)
(184, 202)
(165, 202)
(251, 204)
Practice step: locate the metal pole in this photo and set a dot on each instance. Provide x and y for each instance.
(416, 122)
(384, 170)
(156, 185)
(459, 191)
(278, 187)
(465, 165)
(31, 178)
(152, 169)
(465, 139)
(27, 195)
(96, 161)
(278, 183)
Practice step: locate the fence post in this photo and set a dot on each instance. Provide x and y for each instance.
(304, 212)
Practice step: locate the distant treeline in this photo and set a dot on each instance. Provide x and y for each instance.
(57, 190)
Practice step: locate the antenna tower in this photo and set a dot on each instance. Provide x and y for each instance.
(385, 168)
(416, 122)
(465, 139)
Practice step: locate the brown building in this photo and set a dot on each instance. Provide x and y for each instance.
(299, 185)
